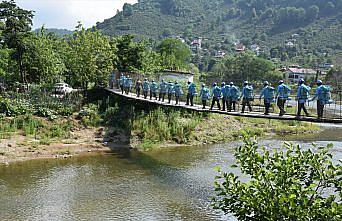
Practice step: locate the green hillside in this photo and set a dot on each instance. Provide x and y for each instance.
(221, 23)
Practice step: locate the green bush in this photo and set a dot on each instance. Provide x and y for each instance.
(290, 184)
(90, 116)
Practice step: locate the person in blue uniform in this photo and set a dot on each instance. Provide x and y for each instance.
(138, 86)
(146, 87)
(204, 95)
(191, 93)
(225, 95)
(128, 84)
(153, 90)
(169, 91)
(247, 96)
(122, 82)
(177, 89)
(282, 95)
(302, 97)
(268, 94)
(216, 96)
(323, 97)
(162, 90)
(233, 96)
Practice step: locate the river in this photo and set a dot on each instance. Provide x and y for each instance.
(169, 184)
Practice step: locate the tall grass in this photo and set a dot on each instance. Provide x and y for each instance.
(28, 125)
(158, 126)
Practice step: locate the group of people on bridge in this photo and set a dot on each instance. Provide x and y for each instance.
(229, 94)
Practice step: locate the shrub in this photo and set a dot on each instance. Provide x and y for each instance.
(290, 184)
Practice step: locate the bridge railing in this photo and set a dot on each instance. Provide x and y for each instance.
(331, 111)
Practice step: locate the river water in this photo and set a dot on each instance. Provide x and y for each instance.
(171, 184)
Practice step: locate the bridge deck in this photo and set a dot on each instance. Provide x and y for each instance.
(198, 108)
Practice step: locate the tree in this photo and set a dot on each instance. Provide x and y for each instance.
(313, 12)
(17, 25)
(42, 60)
(129, 54)
(89, 57)
(290, 184)
(174, 53)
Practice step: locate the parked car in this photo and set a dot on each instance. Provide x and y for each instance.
(62, 88)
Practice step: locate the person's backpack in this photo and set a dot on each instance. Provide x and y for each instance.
(249, 94)
(304, 92)
(271, 93)
(326, 95)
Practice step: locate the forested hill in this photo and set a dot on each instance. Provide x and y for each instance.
(268, 22)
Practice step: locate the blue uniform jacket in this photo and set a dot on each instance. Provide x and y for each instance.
(205, 94)
(247, 92)
(303, 93)
(177, 89)
(192, 89)
(283, 92)
(122, 80)
(146, 86)
(217, 92)
(163, 87)
(154, 87)
(128, 82)
(225, 91)
(268, 94)
(169, 88)
(234, 93)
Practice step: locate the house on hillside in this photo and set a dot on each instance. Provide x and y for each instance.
(196, 45)
(290, 44)
(255, 48)
(219, 54)
(294, 73)
(240, 47)
(180, 76)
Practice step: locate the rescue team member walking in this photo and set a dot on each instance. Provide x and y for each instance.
(323, 97)
(225, 94)
(138, 85)
(302, 98)
(162, 90)
(146, 87)
(191, 93)
(177, 89)
(216, 96)
(153, 90)
(233, 96)
(268, 94)
(204, 95)
(247, 96)
(282, 95)
(122, 82)
(169, 91)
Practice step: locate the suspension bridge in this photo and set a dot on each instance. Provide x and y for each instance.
(333, 113)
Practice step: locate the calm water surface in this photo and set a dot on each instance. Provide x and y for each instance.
(172, 184)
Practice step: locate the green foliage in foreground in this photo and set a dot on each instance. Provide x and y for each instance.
(290, 184)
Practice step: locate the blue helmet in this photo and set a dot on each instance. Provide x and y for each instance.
(301, 81)
(214, 84)
(319, 82)
(223, 84)
(281, 82)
